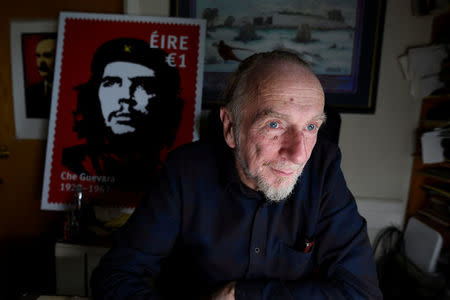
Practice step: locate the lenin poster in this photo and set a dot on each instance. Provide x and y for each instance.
(126, 91)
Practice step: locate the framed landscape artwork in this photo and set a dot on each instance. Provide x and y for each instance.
(339, 39)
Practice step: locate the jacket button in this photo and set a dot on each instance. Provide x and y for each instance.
(257, 250)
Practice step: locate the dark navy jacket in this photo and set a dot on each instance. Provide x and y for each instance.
(200, 228)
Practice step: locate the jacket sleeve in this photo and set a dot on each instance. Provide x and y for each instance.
(140, 245)
(342, 253)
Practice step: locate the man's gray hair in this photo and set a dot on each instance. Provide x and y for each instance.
(238, 81)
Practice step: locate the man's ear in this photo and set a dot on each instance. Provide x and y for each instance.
(228, 133)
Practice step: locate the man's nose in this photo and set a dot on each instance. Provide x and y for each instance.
(43, 64)
(126, 94)
(127, 100)
(294, 147)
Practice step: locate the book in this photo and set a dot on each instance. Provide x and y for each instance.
(441, 189)
(438, 172)
(433, 215)
(439, 204)
(437, 216)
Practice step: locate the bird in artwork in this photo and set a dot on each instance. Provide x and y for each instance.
(226, 51)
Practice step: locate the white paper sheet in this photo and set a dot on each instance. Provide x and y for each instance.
(432, 150)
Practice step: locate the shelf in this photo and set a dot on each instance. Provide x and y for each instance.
(437, 172)
(432, 124)
(441, 189)
(429, 190)
(437, 97)
(441, 218)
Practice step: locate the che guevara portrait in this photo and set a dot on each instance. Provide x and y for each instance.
(126, 92)
(127, 112)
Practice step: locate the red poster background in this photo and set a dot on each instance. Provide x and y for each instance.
(82, 37)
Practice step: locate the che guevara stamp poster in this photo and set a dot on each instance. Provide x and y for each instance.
(126, 91)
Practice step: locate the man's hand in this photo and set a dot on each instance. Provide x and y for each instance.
(225, 293)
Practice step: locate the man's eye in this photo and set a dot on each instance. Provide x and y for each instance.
(274, 125)
(149, 89)
(311, 127)
(107, 82)
(148, 84)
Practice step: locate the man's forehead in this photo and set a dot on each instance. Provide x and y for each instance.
(269, 113)
(46, 45)
(128, 69)
(286, 74)
(282, 74)
(285, 82)
(294, 91)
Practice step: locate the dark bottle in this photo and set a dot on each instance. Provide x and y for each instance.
(73, 225)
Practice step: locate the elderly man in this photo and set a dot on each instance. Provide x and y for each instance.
(127, 112)
(266, 216)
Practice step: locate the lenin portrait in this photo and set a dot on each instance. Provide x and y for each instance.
(38, 93)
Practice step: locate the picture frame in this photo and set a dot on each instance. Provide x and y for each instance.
(110, 89)
(350, 85)
(31, 121)
(147, 8)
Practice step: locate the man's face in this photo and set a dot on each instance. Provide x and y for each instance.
(45, 57)
(125, 91)
(279, 123)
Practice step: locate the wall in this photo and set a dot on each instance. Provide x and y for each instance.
(377, 149)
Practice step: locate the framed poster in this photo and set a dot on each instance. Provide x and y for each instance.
(127, 90)
(147, 8)
(339, 39)
(33, 48)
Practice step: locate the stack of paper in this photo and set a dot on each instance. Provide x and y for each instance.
(421, 66)
(432, 148)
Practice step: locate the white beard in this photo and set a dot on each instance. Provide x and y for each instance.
(262, 184)
(275, 194)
